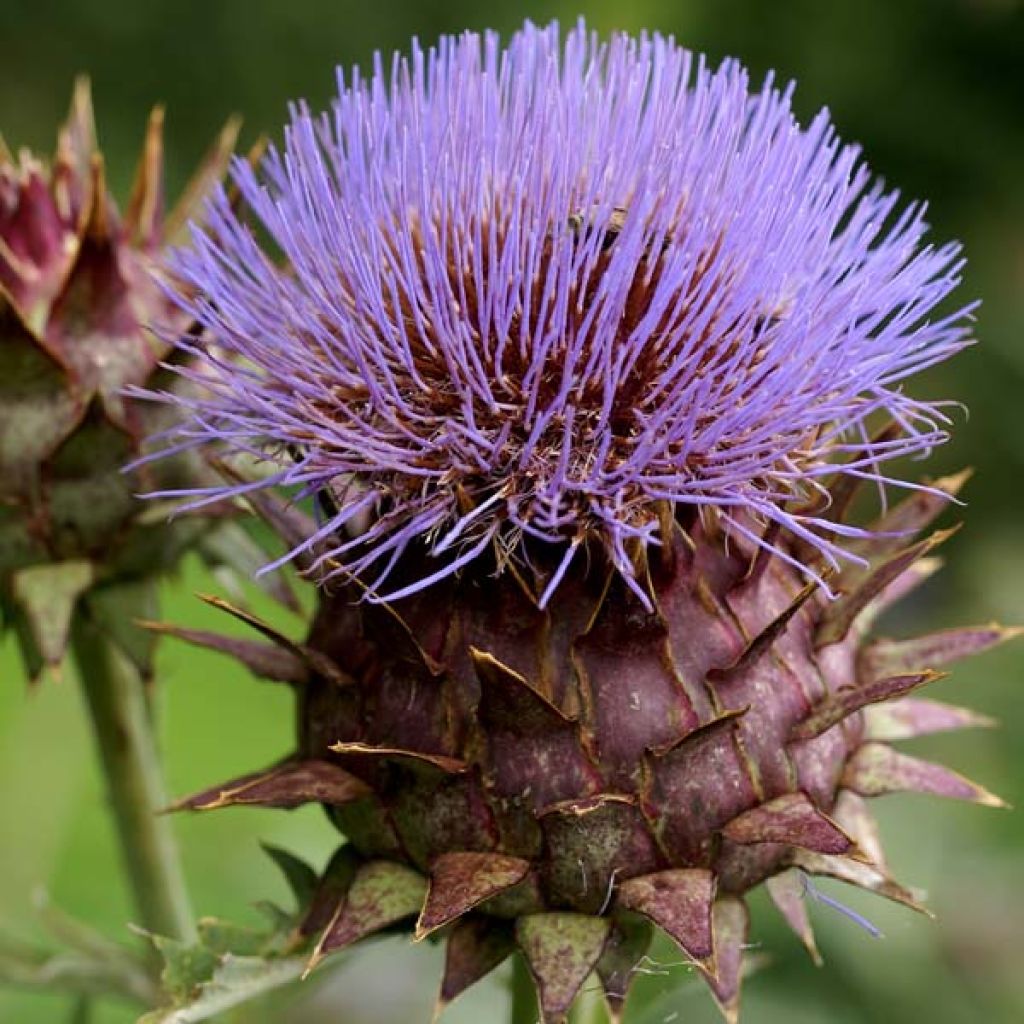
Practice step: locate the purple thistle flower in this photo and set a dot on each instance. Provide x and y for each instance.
(539, 290)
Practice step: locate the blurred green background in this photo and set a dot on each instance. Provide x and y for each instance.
(934, 90)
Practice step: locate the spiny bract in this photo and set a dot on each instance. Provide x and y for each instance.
(580, 345)
(78, 303)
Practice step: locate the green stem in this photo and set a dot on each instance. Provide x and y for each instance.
(122, 724)
(589, 1006)
(524, 995)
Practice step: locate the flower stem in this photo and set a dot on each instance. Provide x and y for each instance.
(524, 998)
(122, 725)
(589, 1005)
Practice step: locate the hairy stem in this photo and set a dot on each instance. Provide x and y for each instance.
(524, 998)
(122, 724)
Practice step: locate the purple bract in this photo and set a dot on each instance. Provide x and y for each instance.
(544, 290)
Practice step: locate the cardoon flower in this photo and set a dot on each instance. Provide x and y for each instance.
(583, 348)
(81, 556)
(78, 301)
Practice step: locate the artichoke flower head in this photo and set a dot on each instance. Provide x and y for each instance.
(583, 348)
(80, 301)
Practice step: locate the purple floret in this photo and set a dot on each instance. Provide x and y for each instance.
(539, 290)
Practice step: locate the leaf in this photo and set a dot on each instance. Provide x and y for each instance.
(301, 878)
(223, 937)
(234, 980)
(186, 967)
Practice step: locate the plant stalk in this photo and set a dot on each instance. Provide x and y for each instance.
(589, 1007)
(524, 998)
(122, 724)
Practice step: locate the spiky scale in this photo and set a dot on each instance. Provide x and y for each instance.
(858, 873)
(592, 842)
(686, 806)
(48, 594)
(888, 657)
(317, 661)
(678, 901)
(561, 950)
(476, 945)
(792, 820)
(916, 716)
(915, 576)
(786, 890)
(913, 514)
(876, 769)
(330, 892)
(840, 616)
(533, 749)
(731, 922)
(381, 894)
(461, 881)
(852, 813)
(266, 660)
(287, 785)
(653, 708)
(844, 702)
(627, 945)
(143, 217)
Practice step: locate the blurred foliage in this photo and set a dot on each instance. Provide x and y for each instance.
(934, 91)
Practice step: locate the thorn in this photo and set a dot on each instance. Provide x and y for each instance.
(210, 170)
(763, 642)
(97, 226)
(316, 660)
(142, 220)
(910, 717)
(884, 657)
(849, 699)
(461, 881)
(876, 769)
(791, 819)
(839, 616)
(287, 785)
(268, 661)
(679, 901)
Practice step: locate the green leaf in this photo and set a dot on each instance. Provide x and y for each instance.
(282, 924)
(236, 980)
(301, 878)
(223, 937)
(186, 967)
